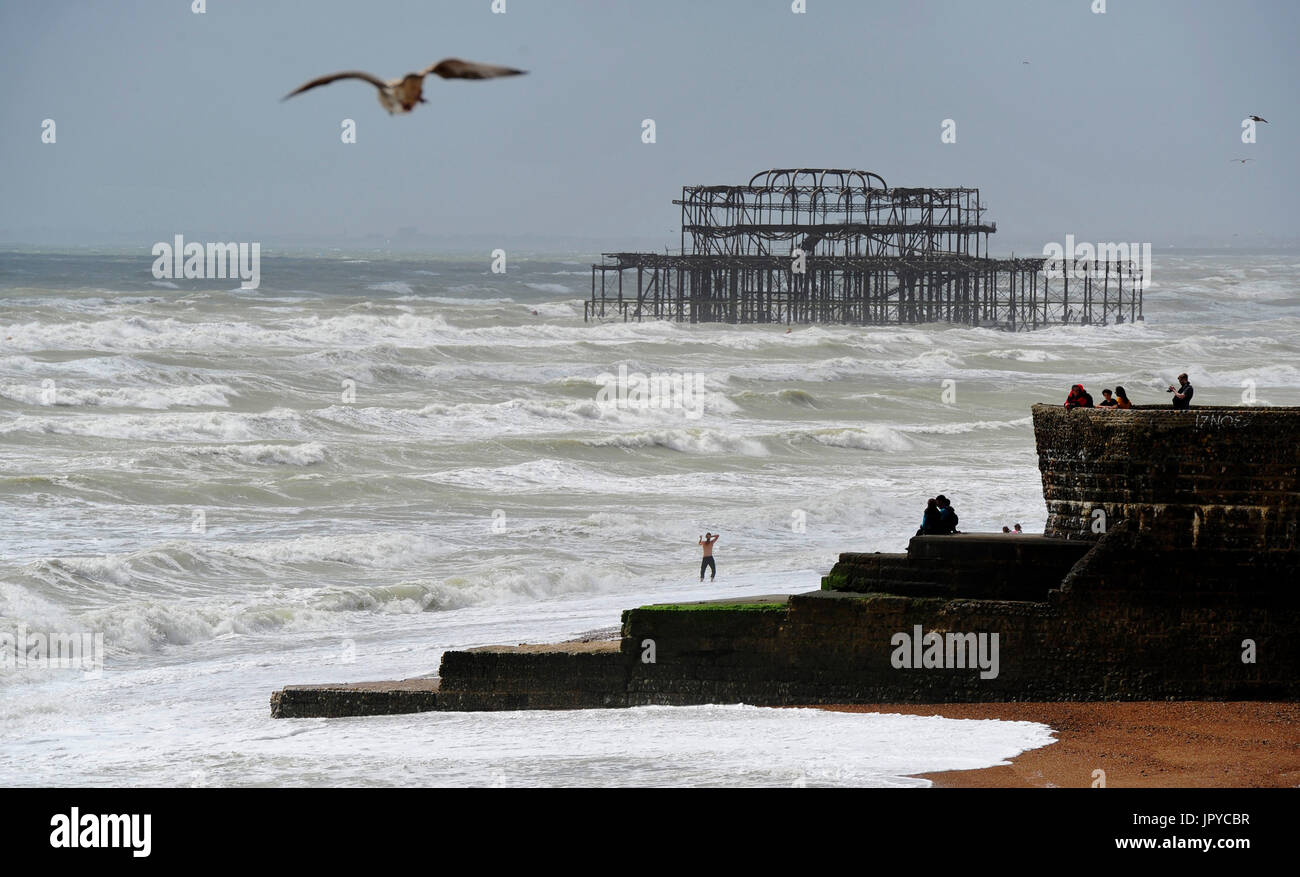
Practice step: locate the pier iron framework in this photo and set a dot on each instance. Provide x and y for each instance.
(840, 246)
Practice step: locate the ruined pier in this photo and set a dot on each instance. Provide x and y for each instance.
(840, 246)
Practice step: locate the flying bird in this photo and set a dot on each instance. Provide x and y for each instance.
(1241, 160)
(402, 94)
(1257, 119)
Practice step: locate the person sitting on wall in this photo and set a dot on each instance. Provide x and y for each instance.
(1183, 395)
(931, 525)
(1107, 400)
(947, 515)
(1006, 529)
(1121, 399)
(1078, 398)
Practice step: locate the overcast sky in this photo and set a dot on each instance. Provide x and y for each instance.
(1122, 126)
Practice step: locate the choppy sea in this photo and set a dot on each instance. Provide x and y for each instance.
(371, 459)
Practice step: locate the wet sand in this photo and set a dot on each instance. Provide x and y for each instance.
(1142, 744)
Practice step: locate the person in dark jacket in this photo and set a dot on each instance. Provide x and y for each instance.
(931, 523)
(1183, 394)
(947, 514)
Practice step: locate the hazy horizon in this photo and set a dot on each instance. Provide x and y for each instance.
(1122, 126)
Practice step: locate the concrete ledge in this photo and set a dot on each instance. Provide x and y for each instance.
(564, 676)
(577, 674)
(996, 547)
(989, 566)
(355, 699)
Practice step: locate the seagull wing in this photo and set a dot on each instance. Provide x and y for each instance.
(455, 68)
(334, 77)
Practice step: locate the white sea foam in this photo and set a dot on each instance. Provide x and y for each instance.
(686, 441)
(454, 300)
(183, 427)
(400, 287)
(306, 454)
(380, 550)
(961, 428)
(1020, 354)
(700, 746)
(873, 438)
(143, 624)
(521, 477)
(517, 416)
(559, 309)
(1262, 290)
(788, 395)
(651, 530)
(158, 398)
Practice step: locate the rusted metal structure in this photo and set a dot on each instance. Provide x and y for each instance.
(840, 246)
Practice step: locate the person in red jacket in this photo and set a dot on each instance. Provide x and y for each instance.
(1078, 398)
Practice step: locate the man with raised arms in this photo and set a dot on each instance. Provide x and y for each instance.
(706, 542)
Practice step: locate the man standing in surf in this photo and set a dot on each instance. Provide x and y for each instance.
(706, 542)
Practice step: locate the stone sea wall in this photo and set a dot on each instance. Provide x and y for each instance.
(1228, 478)
(1170, 569)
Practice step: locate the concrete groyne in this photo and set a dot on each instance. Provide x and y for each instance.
(1169, 569)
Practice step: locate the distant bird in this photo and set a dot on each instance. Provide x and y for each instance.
(402, 94)
(1257, 119)
(1024, 62)
(1241, 160)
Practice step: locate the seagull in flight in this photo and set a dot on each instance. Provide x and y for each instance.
(1257, 119)
(1241, 160)
(402, 94)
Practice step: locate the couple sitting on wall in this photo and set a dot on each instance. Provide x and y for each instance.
(939, 519)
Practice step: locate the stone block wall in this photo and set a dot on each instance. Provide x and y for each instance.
(1221, 478)
(540, 677)
(982, 566)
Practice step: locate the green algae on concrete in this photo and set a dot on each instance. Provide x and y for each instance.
(757, 603)
(714, 607)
